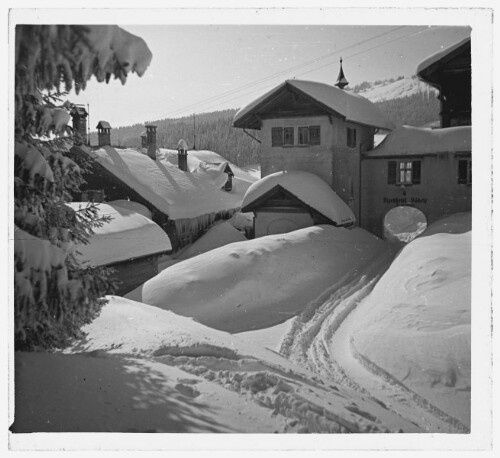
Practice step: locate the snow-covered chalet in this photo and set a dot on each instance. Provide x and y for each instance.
(322, 129)
(183, 203)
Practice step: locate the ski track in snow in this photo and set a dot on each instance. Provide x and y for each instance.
(320, 341)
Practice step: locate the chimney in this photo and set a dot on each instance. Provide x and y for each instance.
(79, 115)
(151, 140)
(104, 133)
(182, 155)
(144, 140)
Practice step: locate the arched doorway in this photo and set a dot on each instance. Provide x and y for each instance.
(403, 224)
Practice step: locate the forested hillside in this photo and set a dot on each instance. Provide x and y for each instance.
(214, 130)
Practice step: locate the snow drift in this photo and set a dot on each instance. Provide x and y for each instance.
(417, 321)
(262, 282)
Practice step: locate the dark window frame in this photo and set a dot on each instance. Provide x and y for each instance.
(288, 140)
(301, 130)
(314, 129)
(276, 136)
(464, 171)
(351, 137)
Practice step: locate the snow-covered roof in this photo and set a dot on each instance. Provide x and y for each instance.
(423, 67)
(308, 188)
(174, 192)
(127, 236)
(197, 159)
(353, 107)
(407, 140)
(103, 125)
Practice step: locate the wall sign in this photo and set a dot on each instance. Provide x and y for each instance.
(405, 200)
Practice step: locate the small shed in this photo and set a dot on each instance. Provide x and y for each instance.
(129, 243)
(286, 201)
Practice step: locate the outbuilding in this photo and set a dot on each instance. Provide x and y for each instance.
(289, 200)
(129, 243)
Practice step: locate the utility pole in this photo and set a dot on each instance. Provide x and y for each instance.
(88, 125)
(194, 131)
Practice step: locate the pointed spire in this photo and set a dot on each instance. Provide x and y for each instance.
(341, 79)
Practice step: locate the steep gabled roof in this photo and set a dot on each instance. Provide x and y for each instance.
(328, 99)
(427, 69)
(407, 140)
(308, 188)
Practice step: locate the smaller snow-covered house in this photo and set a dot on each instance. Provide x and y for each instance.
(428, 169)
(316, 128)
(129, 243)
(286, 201)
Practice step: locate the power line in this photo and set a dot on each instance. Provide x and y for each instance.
(254, 90)
(281, 72)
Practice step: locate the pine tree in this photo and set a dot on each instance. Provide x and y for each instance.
(54, 295)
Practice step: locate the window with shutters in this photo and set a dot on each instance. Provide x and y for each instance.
(351, 137)
(288, 136)
(403, 172)
(465, 171)
(277, 136)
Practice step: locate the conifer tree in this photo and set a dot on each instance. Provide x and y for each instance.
(54, 295)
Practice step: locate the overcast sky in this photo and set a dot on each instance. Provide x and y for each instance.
(201, 68)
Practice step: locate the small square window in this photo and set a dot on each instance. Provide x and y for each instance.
(303, 135)
(277, 136)
(403, 173)
(288, 136)
(314, 135)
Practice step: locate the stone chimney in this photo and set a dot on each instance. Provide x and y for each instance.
(151, 140)
(182, 155)
(104, 133)
(79, 115)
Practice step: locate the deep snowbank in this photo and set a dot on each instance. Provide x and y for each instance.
(262, 282)
(417, 321)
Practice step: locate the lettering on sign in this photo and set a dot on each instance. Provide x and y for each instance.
(405, 200)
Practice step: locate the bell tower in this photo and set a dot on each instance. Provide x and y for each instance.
(341, 79)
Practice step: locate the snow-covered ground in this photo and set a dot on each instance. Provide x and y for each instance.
(380, 342)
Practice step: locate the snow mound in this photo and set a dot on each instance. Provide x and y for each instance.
(308, 188)
(454, 224)
(259, 283)
(174, 192)
(217, 236)
(418, 140)
(128, 235)
(404, 223)
(417, 323)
